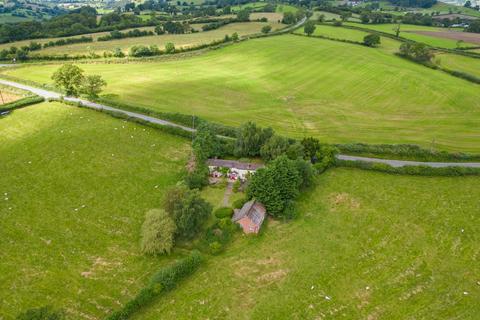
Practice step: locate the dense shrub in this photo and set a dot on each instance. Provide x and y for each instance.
(144, 51)
(219, 234)
(43, 313)
(163, 281)
(198, 178)
(21, 103)
(371, 40)
(238, 204)
(224, 212)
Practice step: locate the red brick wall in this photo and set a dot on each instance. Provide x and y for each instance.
(247, 225)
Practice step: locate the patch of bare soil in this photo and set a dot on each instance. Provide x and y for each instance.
(343, 199)
(453, 35)
(7, 97)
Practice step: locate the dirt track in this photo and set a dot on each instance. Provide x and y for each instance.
(454, 35)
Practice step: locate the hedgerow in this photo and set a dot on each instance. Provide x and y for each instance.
(162, 281)
(404, 151)
(178, 118)
(410, 170)
(21, 103)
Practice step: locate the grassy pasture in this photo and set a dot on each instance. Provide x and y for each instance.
(444, 8)
(330, 31)
(366, 246)
(95, 36)
(271, 16)
(460, 63)
(335, 91)
(180, 40)
(408, 32)
(74, 191)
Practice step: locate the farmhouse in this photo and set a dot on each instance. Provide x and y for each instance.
(250, 217)
(236, 169)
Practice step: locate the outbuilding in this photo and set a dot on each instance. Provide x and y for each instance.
(250, 217)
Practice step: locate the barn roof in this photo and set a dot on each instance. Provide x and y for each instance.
(234, 164)
(254, 210)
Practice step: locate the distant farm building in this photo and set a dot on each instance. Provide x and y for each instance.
(235, 170)
(250, 217)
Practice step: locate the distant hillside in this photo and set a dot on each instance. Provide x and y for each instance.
(25, 10)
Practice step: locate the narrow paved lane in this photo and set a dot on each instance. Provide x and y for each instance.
(93, 105)
(404, 163)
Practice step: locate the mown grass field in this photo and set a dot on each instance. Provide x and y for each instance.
(180, 40)
(301, 86)
(460, 63)
(352, 35)
(451, 61)
(95, 36)
(366, 246)
(408, 32)
(74, 190)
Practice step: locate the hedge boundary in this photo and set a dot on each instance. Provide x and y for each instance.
(177, 118)
(404, 152)
(163, 281)
(21, 103)
(410, 170)
(177, 131)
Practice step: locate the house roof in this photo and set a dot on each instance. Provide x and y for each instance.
(234, 164)
(254, 210)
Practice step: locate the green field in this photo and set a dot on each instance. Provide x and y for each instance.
(408, 32)
(74, 191)
(460, 63)
(180, 40)
(335, 91)
(445, 8)
(366, 246)
(386, 44)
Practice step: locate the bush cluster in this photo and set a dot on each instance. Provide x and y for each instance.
(162, 281)
(219, 234)
(224, 212)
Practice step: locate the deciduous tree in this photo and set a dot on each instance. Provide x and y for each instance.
(70, 78)
(158, 231)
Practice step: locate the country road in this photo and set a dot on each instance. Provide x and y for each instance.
(97, 106)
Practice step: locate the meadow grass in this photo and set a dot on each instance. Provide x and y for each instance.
(408, 32)
(75, 187)
(366, 246)
(301, 86)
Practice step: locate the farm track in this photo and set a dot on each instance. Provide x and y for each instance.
(97, 106)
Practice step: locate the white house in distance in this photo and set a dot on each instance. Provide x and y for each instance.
(236, 170)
